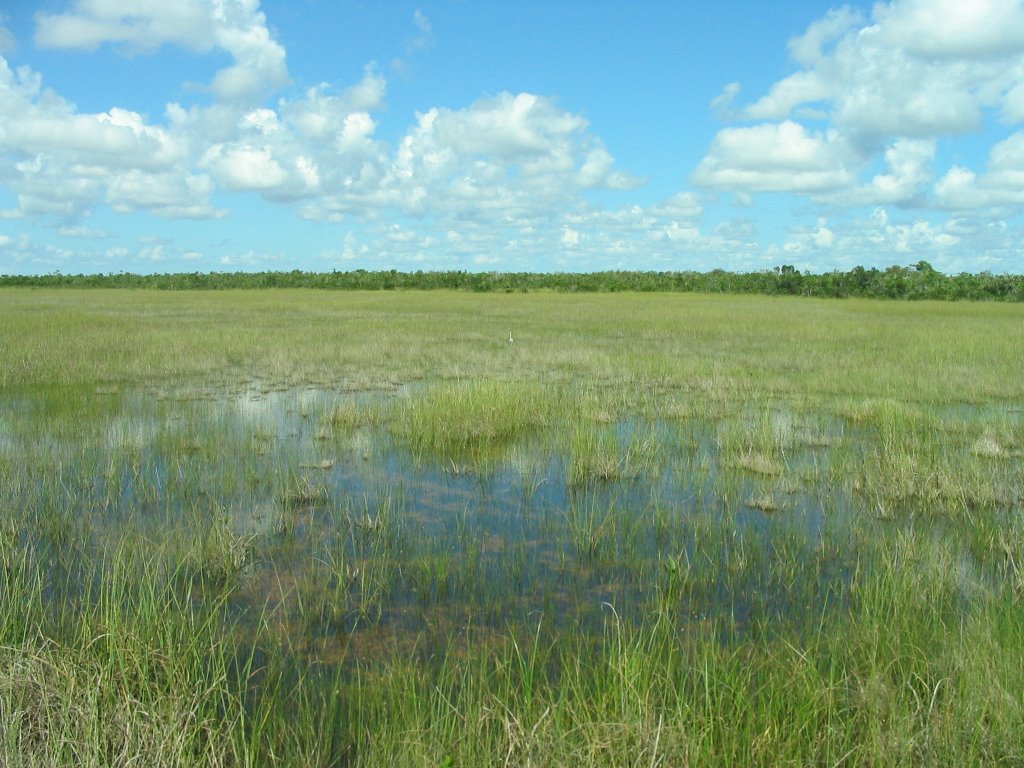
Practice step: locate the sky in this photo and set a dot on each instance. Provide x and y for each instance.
(484, 135)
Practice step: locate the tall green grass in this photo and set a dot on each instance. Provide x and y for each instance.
(709, 346)
(686, 530)
(470, 419)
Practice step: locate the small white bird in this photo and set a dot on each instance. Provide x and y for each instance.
(510, 336)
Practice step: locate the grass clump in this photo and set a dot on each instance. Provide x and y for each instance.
(919, 462)
(599, 456)
(350, 415)
(222, 554)
(303, 493)
(758, 445)
(466, 419)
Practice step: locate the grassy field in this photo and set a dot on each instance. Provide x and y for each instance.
(331, 528)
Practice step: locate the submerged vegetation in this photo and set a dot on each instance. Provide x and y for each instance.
(313, 528)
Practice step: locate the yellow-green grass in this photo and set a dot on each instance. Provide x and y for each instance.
(182, 582)
(705, 346)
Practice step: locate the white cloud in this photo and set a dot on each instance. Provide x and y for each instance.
(919, 236)
(789, 93)
(171, 194)
(145, 26)
(511, 156)
(889, 90)
(823, 237)
(62, 162)
(44, 186)
(909, 162)
(908, 173)
(809, 49)
(807, 240)
(875, 240)
(318, 115)
(923, 68)
(244, 167)
(83, 232)
(507, 127)
(953, 29)
(422, 23)
(237, 27)
(1006, 163)
(8, 44)
(683, 205)
(502, 163)
(1001, 184)
(774, 157)
(260, 66)
(36, 121)
(721, 105)
(423, 39)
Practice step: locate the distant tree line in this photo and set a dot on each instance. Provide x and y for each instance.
(918, 281)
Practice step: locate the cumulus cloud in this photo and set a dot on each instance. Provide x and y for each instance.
(259, 59)
(426, 30)
(814, 45)
(922, 68)
(145, 26)
(879, 239)
(683, 205)
(423, 39)
(83, 232)
(507, 174)
(810, 239)
(508, 158)
(951, 29)
(787, 94)
(905, 181)
(1001, 184)
(884, 90)
(244, 167)
(62, 162)
(8, 44)
(507, 127)
(236, 27)
(170, 194)
(721, 105)
(774, 157)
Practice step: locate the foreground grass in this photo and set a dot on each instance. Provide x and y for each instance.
(138, 678)
(129, 633)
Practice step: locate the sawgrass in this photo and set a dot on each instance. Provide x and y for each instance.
(710, 346)
(187, 580)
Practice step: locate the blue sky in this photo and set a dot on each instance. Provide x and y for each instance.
(223, 135)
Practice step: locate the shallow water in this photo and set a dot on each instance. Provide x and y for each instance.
(352, 546)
